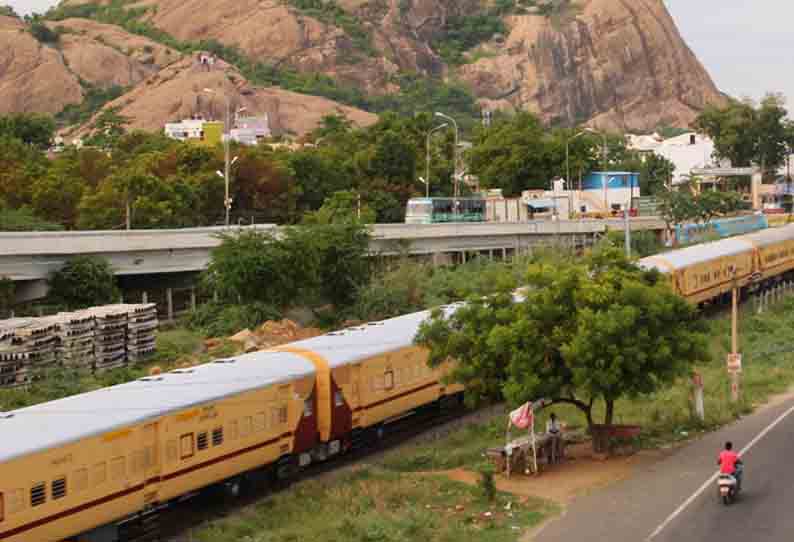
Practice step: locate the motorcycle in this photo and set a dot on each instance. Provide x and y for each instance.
(729, 487)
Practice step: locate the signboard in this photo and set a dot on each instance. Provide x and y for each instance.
(734, 363)
(724, 171)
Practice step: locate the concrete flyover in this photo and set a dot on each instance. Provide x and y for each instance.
(29, 257)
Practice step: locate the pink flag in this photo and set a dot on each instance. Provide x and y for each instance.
(523, 416)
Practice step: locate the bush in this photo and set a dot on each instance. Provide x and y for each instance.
(83, 282)
(219, 320)
(43, 33)
(486, 484)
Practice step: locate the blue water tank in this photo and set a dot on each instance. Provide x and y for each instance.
(613, 179)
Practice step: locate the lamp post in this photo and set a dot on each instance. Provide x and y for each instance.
(227, 162)
(568, 163)
(455, 154)
(427, 158)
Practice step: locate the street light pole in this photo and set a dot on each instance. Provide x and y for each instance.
(227, 162)
(455, 154)
(427, 159)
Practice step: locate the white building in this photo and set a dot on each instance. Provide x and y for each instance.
(250, 130)
(186, 129)
(686, 152)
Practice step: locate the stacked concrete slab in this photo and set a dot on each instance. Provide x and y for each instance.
(110, 337)
(141, 331)
(95, 339)
(75, 332)
(27, 347)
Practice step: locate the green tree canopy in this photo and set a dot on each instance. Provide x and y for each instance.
(303, 265)
(747, 134)
(596, 329)
(83, 282)
(344, 207)
(30, 128)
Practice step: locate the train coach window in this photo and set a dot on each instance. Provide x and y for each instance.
(217, 436)
(38, 494)
(186, 445)
(201, 441)
(339, 399)
(59, 488)
(388, 379)
(308, 407)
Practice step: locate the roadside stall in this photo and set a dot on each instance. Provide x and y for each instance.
(521, 453)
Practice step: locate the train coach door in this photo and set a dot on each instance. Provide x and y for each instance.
(152, 463)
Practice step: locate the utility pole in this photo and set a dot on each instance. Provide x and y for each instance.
(226, 160)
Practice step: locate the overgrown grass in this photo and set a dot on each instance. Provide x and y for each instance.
(375, 505)
(464, 448)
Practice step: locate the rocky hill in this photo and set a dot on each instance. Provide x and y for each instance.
(620, 64)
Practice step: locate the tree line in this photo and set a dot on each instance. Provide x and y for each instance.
(156, 182)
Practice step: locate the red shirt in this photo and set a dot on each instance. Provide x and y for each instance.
(728, 459)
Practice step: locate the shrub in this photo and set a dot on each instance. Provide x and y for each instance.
(218, 320)
(43, 33)
(487, 484)
(84, 281)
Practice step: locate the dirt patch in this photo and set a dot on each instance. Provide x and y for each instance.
(582, 471)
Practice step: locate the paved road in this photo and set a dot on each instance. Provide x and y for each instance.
(630, 511)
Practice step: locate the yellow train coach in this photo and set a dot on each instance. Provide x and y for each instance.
(701, 273)
(76, 468)
(70, 466)
(369, 376)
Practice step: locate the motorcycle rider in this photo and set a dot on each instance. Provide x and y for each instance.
(730, 463)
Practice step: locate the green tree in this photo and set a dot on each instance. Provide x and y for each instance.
(677, 206)
(394, 159)
(32, 129)
(23, 219)
(309, 265)
(711, 204)
(84, 281)
(344, 207)
(8, 11)
(42, 32)
(108, 128)
(597, 329)
(772, 120)
(733, 129)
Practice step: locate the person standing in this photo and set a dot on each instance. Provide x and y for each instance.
(554, 432)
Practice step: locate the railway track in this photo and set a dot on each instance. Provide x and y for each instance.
(176, 521)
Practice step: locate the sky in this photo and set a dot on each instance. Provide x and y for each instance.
(746, 46)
